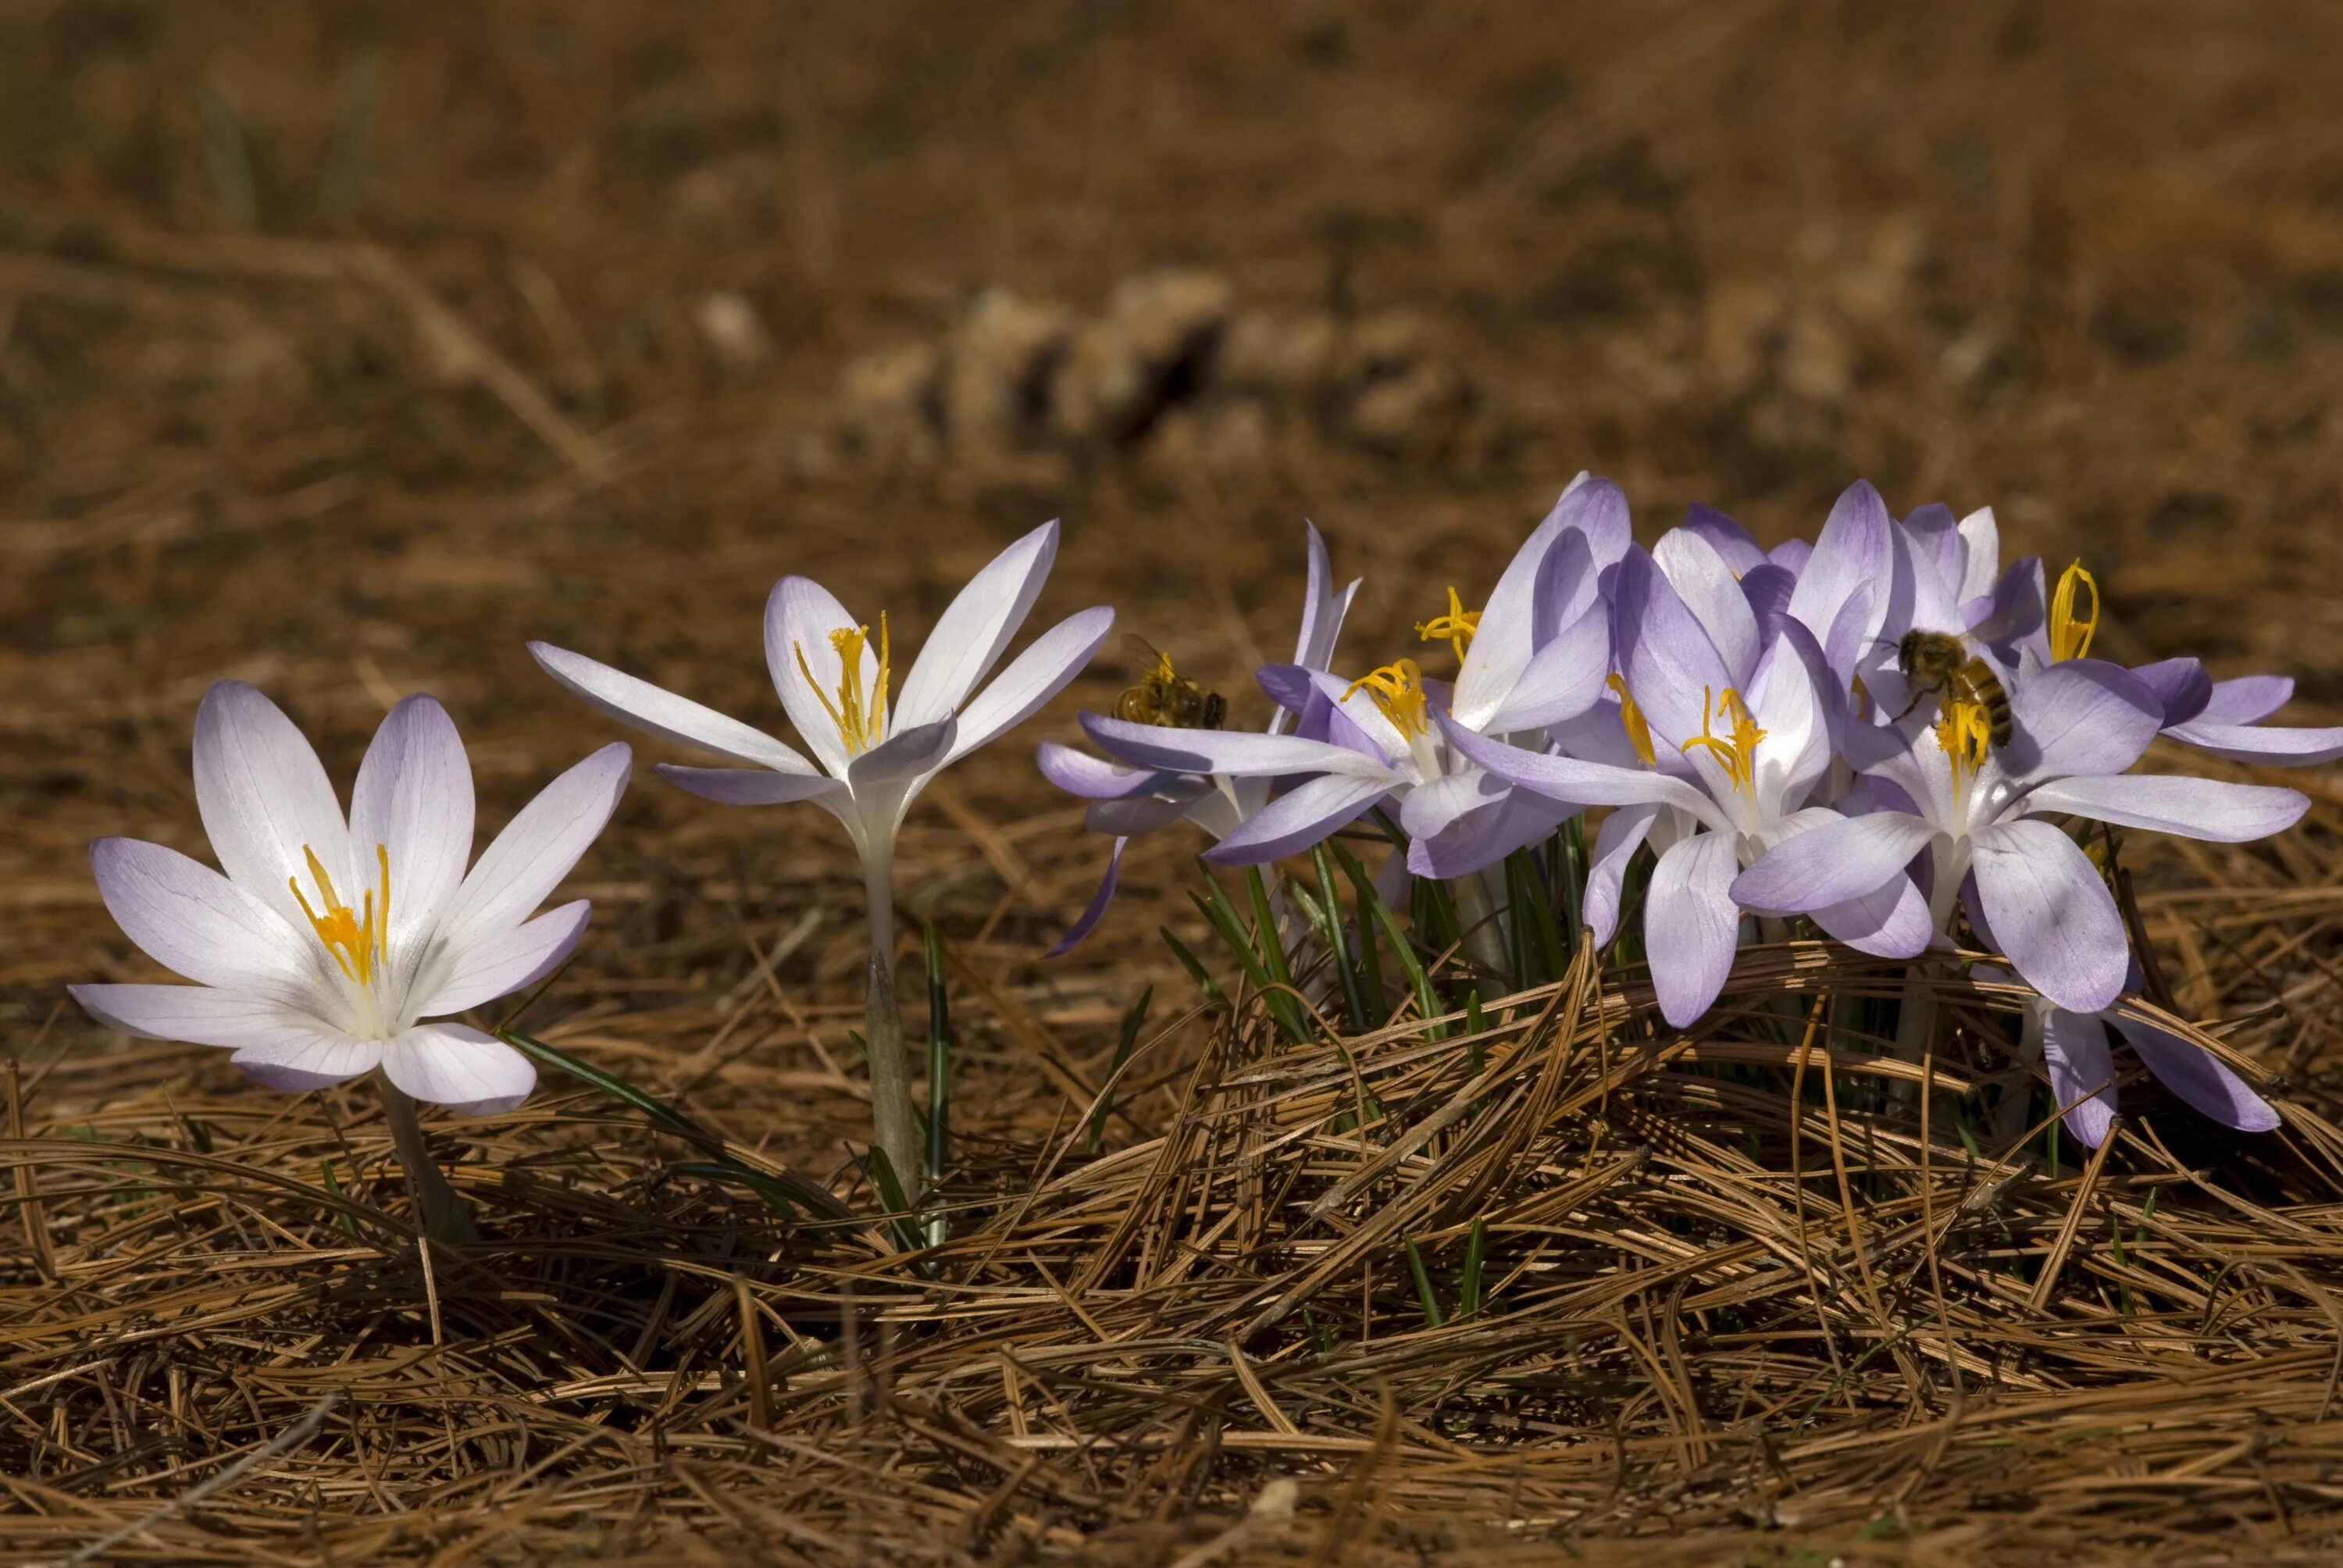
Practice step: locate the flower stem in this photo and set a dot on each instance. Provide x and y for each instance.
(892, 1118)
(440, 1212)
(1916, 1020)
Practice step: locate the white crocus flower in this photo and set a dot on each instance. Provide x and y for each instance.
(332, 948)
(874, 754)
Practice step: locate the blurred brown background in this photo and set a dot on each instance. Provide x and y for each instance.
(344, 346)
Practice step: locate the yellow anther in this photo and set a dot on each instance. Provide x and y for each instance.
(1737, 756)
(2070, 636)
(860, 716)
(1862, 695)
(1964, 733)
(356, 941)
(1458, 626)
(1397, 689)
(1631, 720)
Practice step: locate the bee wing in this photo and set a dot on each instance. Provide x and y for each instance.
(1140, 655)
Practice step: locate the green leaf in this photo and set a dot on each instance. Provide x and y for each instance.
(1476, 1246)
(1196, 971)
(1354, 996)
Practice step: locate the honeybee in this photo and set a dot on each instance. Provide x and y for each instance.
(1939, 662)
(1160, 695)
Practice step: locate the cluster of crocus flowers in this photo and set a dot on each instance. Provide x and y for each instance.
(1885, 732)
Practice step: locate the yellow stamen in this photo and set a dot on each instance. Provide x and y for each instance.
(1862, 695)
(1964, 733)
(1631, 720)
(1397, 689)
(2070, 637)
(860, 716)
(1738, 756)
(1458, 626)
(357, 943)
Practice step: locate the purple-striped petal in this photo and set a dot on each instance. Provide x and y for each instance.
(2209, 1088)
(2084, 716)
(1235, 752)
(2051, 912)
(1038, 674)
(1095, 912)
(453, 1065)
(1623, 832)
(1691, 925)
(266, 800)
(1307, 814)
(1833, 863)
(752, 786)
(2208, 809)
(974, 630)
(2082, 1071)
(196, 923)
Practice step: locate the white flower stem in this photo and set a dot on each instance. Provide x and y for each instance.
(440, 1212)
(893, 1122)
(1484, 931)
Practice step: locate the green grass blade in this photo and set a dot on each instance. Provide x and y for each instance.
(1477, 1248)
(1422, 1282)
(1133, 1021)
(1371, 964)
(1354, 996)
(1196, 971)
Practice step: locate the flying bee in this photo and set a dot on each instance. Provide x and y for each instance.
(1939, 662)
(1160, 696)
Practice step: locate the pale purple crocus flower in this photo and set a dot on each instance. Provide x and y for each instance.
(876, 751)
(327, 947)
(1128, 802)
(1975, 811)
(1748, 735)
(1534, 656)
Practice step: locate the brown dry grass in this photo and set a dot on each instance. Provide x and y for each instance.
(428, 382)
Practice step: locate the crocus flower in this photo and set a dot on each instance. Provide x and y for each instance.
(1535, 656)
(327, 948)
(1749, 735)
(876, 751)
(1976, 809)
(1130, 801)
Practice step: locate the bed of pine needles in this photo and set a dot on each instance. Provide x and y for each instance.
(342, 348)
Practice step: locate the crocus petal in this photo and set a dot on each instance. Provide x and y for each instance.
(752, 786)
(2268, 745)
(1496, 821)
(974, 628)
(2013, 610)
(414, 799)
(1615, 842)
(512, 959)
(1092, 777)
(2249, 699)
(1729, 540)
(906, 754)
(196, 1014)
(1691, 925)
(1670, 667)
(1142, 814)
(1792, 555)
(1889, 923)
(2082, 1071)
(1095, 912)
(1580, 782)
(1931, 544)
(196, 923)
(658, 712)
(298, 1063)
(1832, 863)
(1712, 591)
(536, 849)
(450, 1064)
(1596, 510)
(2054, 917)
(1980, 555)
(1851, 554)
(1768, 588)
(2081, 716)
(799, 616)
(1032, 677)
(2181, 685)
(1323, 607)
(2198, 1078)
(1235, 752)
(1561, 681)
(264, 798)
(2208, 809)
(1305, 814)
(1508, 630)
